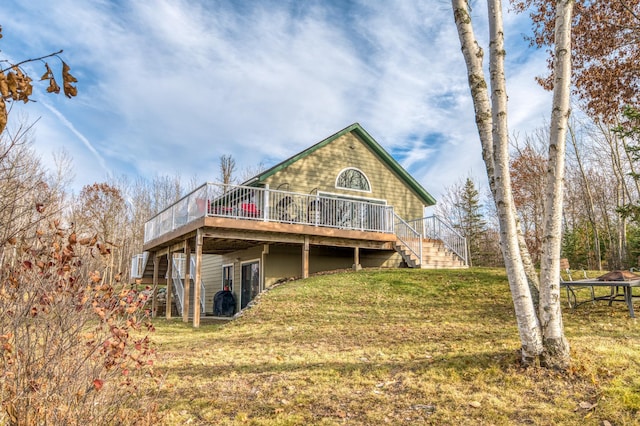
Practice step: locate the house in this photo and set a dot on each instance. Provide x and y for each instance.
(341, 203)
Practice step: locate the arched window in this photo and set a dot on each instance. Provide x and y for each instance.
(353, 179)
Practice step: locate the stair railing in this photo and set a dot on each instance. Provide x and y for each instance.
(178, 288)
(435, 228)
(408, 236)
(202, 289)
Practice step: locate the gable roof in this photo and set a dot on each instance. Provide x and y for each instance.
(384, 156)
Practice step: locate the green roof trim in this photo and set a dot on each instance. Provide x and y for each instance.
(371, 143)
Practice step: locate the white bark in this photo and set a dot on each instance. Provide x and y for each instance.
(527, 320)
(473, 56)
(491, 120)
(556, 353)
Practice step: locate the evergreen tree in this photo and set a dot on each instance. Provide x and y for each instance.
(629, 131)
(471, 222)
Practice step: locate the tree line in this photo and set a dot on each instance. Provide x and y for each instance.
(601, 220)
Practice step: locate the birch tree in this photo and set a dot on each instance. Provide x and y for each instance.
(538, 316)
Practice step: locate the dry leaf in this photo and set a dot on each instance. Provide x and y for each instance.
(4, 87)
(587, 405)
(3, 115)
(475, 404)
(12, 84)
(53, 85)
(69, 90)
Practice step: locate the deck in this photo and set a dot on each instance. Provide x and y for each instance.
(232, 209)
(233, 217)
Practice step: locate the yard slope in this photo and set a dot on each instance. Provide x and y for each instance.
(394, 347)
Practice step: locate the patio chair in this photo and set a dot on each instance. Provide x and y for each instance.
(220, 210)
(282, 209)
(249, 210)
(572, 298)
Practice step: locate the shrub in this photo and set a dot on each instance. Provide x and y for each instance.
(74, 349)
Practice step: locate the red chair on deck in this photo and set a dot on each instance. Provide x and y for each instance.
(249, 210)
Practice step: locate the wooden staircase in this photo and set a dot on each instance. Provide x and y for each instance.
(147, 276)
(434, 256)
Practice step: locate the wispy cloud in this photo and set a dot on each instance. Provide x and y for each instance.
(167, 86)
(66, 123)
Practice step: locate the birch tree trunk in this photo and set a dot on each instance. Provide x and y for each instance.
(556, 347)
(494, 140)
(540, 326)
(528, 326)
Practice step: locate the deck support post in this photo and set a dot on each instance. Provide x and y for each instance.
(196, 281)
(154, 293)
(263, 266)
(305, 257)
(169, 293)
(356, 259)
(186, 286)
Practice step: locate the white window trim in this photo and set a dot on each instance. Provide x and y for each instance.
(244, 262)
(353, 189)
(351, 197)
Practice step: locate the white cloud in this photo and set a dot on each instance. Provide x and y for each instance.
(167, 86)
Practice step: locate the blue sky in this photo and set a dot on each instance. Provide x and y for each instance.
(168, 86)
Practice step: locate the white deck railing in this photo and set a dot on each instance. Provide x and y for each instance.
(435, 228)
(138, 263)
(268, 205)
(177, 287)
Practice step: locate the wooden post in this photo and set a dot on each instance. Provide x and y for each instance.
(186, 287)
(356, 259)
(169, 293)
(305, 258)
(196, 281)
(154, 293)
(263, 266)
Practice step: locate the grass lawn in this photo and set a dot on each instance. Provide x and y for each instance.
(397, 347)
